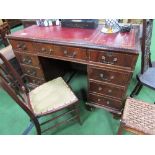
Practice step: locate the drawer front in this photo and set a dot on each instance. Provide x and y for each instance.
(104, 101)
(35, 72)
(107, 90)
(45, 49)
(28, 59)
(22, 46)
(111, 76)
(112, 58)
(35, 81)
(71, 52)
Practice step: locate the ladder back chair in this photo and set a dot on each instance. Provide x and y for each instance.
(146, 77)
(48, 98)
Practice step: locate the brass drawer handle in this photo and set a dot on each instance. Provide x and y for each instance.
(31, 72)
(72, 55)
(109, 91)
(98, 99)
(109, 62)
(24, 47)
(100, 88)
(108, 102)
(103, 78)
(43, 49)
(27, 60)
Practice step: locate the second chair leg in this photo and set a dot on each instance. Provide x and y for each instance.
(136, 89)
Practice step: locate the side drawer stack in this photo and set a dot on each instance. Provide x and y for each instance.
(109, 75)
(26, 55)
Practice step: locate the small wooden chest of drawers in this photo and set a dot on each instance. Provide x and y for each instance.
(110, 59)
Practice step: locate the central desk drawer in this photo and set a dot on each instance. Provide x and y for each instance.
(108, 75)
(71, 52)
(46, 49)
(113, 58)
(104, 101)
(32, 71)
(107, 89)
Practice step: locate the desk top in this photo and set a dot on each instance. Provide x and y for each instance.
(89, 38)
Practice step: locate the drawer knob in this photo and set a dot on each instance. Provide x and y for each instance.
(109, 91)
(115, 60)
(112, 77)
(24, 47)
(100, 88)
(19, 45)
(72, 55)
(103, 78)
(98, 99)
(108, 102)
(43, 49)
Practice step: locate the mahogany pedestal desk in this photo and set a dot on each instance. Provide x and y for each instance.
(110, 58)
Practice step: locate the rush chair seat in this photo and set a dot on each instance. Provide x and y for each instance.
(48, 98)
(138, 117)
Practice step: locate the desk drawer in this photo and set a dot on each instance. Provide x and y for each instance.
(108, 75)
(107, 89)
(45, 49)
(28, 59)
(32, 71)
(113, 58)
(35, 81)
(104, 101)
(71, 52)
(22, 46)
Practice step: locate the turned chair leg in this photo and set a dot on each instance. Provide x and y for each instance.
(78, 114)
(136, 89)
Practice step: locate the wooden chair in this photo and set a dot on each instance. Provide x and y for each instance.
(138, 117)
(146, 77)
(48, 98)
(4, 30)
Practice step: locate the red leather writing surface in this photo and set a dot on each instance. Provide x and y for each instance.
(79, 36)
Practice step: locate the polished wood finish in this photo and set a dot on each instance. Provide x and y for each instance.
(110, 58)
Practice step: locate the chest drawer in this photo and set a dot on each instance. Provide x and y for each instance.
(104, 101)
(32, 71)
(71, 52)
(34, 80)
(113, 58)
(106, 89)
(108, 75)
(45, 49)
(28, 59)
(22, 46)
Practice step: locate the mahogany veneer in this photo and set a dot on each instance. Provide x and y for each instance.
(110, 58)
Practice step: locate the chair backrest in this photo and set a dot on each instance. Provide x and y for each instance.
(146, 43)
(14, 86)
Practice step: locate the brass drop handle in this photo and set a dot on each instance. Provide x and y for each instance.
(100, 88)
(70, 55)
(109, 91)
(102, 77)
(108, 102)
(24, 47)
(27, 60)
(109, 62)
(98, 99)
(19, 45)
(43, 49)
(31, 72)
